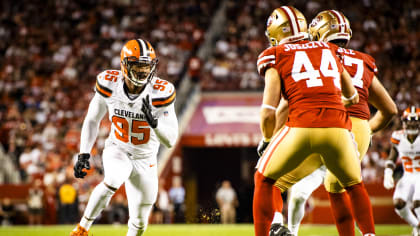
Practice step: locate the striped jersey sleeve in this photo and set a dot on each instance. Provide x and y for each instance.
(266, 60)
(164, 93)
(396, 137)
(106, 81)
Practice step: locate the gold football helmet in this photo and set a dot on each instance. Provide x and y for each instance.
(330, 25)
(138, 61)
(286, 25)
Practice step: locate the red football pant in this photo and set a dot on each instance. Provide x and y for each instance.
(267, 200)
(361, 207)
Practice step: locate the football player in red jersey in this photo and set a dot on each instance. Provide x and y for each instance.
(406, 145)
(333, 26)
(141, 108)
(310, 76)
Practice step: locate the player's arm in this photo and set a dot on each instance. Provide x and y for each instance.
(271, 99)
(389, 167)
(392, 157)
(97, 110)
(282, 113)
(349, 92)
(167, 128)
(381, 100)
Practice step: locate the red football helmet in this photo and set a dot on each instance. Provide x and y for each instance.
(411, 120)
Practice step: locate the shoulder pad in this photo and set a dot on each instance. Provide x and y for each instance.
(396, 136)
(370, 62)
(163, 93)
(266, 60)
(106, 81)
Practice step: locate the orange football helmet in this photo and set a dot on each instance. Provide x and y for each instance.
(286, 25)
(411, 120)
(138, 61)
(330, 25)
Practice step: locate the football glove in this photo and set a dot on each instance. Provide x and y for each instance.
(82, 163)
(388, 179)
(262, 146)
(147, 110)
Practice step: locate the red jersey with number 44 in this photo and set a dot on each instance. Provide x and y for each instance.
(310, 78)
(362, 69)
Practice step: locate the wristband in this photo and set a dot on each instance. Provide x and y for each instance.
(350, 98)
(268, 107)
(389, 163)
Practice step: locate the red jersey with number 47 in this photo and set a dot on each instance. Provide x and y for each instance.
(362, 69)
(310, 78)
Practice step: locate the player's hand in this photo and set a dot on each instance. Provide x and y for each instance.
(388, 179)
(147, 110)
(261, 147)
(82, 163)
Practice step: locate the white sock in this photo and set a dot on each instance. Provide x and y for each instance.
(417, 211)
(296, 212)
(408, 216)
(278, 218)
(98, 200)
(137, 226)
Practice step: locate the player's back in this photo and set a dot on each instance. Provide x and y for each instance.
(362, 69)
(310, 74)
(408, 152)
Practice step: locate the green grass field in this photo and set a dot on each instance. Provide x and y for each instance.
(189, 230)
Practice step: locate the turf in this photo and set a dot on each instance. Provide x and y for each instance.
(190, 230)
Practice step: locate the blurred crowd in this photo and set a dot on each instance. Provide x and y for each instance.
(51, 52)
(387, 30)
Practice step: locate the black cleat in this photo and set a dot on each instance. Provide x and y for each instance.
(279, 230)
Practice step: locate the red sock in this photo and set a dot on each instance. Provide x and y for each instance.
(277, 200)
(341, 210)
(263, 206)
(362, 208)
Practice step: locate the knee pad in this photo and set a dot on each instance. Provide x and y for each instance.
(332, 185)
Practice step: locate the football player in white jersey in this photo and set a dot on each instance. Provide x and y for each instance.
(141, 109)
(406, 145)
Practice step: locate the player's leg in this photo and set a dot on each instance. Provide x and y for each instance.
(416, 207)
(339, 199)
(404, 192)
(141, 189)
(286, 151)
(299, 194)
(339, 154)
(117, 168)
(285, 182)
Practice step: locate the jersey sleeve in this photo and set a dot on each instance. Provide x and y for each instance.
(106, 81)
(396, 137)
(163, 93)
(370, 63)
(266, 60)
